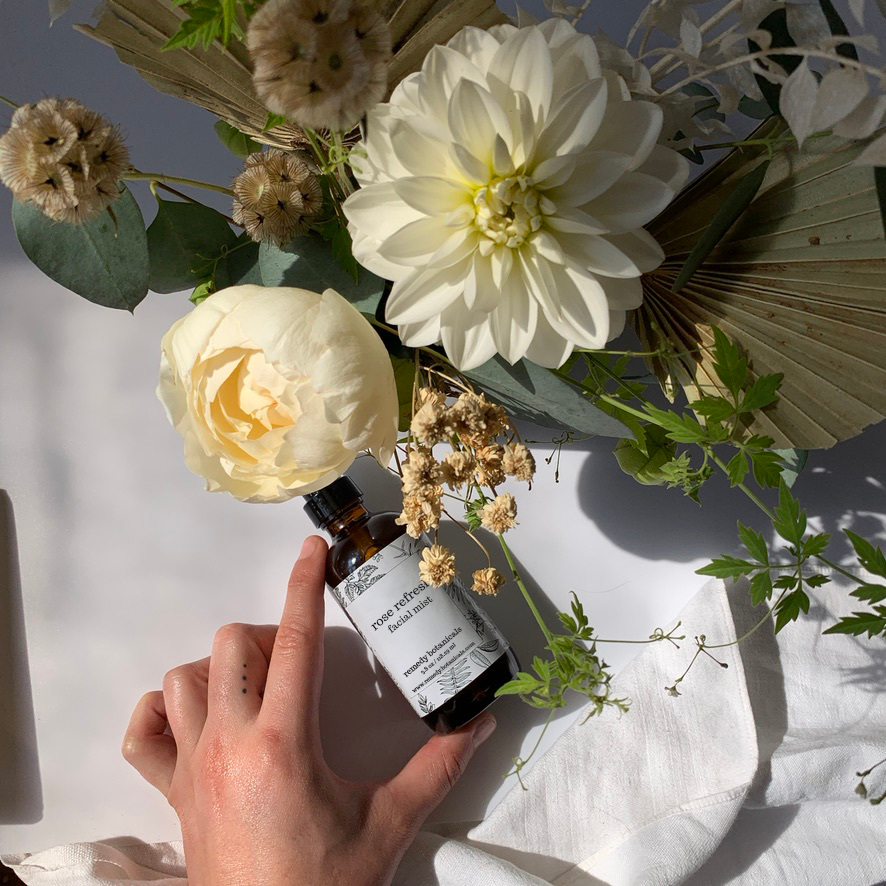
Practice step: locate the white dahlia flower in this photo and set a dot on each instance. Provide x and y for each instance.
(504, 191)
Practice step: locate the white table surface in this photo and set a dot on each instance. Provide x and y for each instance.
(118, 566)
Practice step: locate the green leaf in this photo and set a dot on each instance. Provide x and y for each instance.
(737, 468)
(238, 264)
(767, 468)
(726, 216)
(202, 292)
(308, 263)
(202, 26)
(761, 588)
(184, 241)
(818, 581)
(790, 521)
(238, 143)
(790, 608)
(730, 364)
(680, 428)
(644, 459)
(715, 409)
(754, 544)
(870, 623)
(727, 567)
(761, 393)
(104, 261)
(838, 29)
(272, 121)
(792, 462)
(871, 558)
(229, 11)
(816, 545)
(404, 377)
(870, 593)
(535, 394)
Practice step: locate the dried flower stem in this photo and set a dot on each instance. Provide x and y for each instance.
(155, 184)
(136, 175)
(7, 101)
(524, 590)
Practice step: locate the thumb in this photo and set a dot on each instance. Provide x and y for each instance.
(429, 776)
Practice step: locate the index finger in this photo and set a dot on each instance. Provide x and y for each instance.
(292, 691)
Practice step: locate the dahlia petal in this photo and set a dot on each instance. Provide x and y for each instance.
(513, 321)
(554, 171)
(616, 323)
(365, 250)
(574, 120)
(460, 247)
(413, 243)
(432, 195)
(442, 70)
(467, 338)
(473, 170)
(475, 120)
(523, 64)
(567, 46)
(668, 166)
(548, 348)
(547, 246)
(570, 220)
(623, 293)
(420, 334)
(478, 45)
(424, 294)
(481, 294)
(419, 147)
(379, 209)
(501, 261)
(631, 202)
(594, 172)
(598, 255)
(502, 161)
(583, 305)
(629, 128)
(641, 247)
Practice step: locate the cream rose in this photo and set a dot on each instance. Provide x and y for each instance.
(276, 390)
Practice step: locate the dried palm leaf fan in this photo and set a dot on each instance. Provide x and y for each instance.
(799, 281)
(221, 80)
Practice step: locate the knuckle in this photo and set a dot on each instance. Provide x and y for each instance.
(130, 748)
(230, 634)
(450, 768)
(174, 678)
(292, 637)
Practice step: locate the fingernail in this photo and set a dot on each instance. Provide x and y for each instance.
(484, 728)
(311, 546)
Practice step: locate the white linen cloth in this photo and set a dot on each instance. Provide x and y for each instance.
(746, 778)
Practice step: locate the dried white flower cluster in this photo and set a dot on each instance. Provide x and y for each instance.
(63, 158)
(275, 196)
(319, 63)
(471, 425)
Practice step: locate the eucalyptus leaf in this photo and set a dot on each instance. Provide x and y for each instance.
(185, 242)
(794, 460)
(308, 263)
(530, 392)
(105, 260)
(239, 264)
(236, 142)
(729, 212)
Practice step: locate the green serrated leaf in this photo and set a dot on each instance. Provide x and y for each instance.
(792, 462)
(726, 216)
(105, 260)
(815, 545)
(871, 558)
(644, 459)
(272, 121)
(762, 393)
(870, 623)
(730, 364)
(308, 263)
(727, 567)
(818, 581)
(790, 521)
(789, 609)
(786, 582)
(767, 468)
(761, 588)
(870, 593)
(737, 468)
(184, 242)
(680, 428)
(238, 143)
(531, 392)
(715, 409)
(754, 544)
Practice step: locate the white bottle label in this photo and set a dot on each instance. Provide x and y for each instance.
(432, 641)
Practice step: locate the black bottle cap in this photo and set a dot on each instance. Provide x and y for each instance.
(323, 505)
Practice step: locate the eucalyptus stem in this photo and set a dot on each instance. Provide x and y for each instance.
(136, 175)
(156, 184)
(9, 101)
(523, 589)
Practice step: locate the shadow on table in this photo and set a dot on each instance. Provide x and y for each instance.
(842, 486)
(21, 795)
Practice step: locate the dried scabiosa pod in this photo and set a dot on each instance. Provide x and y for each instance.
(319, 63)
(63, 158)
(275, 197)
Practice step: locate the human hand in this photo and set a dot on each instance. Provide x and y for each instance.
(244, 770)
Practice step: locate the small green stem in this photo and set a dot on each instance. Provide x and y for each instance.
(839, 569)
(520, 762)
(748, 492)
(8, 101)
(753, 630)
(523, 589)
(186, 198)
(136, 175)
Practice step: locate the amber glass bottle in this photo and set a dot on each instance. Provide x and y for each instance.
(439, 647)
